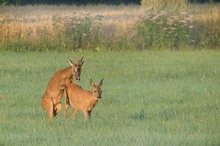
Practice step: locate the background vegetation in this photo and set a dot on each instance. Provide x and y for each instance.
(149, 98)
(85, 2)
(174, 25)
(79, 2)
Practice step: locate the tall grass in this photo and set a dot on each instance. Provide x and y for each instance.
(77, 33)
(149, 98)
(206, 32)
(161, 4)
(101, 27)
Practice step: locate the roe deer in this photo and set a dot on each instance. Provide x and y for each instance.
(81, 99)
(54, 91)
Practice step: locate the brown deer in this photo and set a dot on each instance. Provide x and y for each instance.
(54, 91)
(81, 99)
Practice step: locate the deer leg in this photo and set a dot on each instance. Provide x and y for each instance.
(66, 102)
(47, 104)
(51, 110)
(86, 114)
(65, 94)
(74, 113)
(62, 86)
(57, 108)
(65, 110)
(89, 114)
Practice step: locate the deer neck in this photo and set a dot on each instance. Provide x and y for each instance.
(69, 72)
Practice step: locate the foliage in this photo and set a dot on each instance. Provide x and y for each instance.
(80, 2)
(84, 2)
(77, 33)
(163, 29)
(64, 28)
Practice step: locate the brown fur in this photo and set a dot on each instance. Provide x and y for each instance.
(54, 91)
(83, 100)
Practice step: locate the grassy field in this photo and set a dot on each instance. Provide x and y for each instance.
(149, 98)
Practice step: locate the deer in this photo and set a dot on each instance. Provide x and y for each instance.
(51, 100)
(80, 99)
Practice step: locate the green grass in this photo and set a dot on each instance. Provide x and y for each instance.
(149, 98)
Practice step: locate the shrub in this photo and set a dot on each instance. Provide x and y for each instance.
(163, 29)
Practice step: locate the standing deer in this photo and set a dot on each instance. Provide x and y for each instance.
(54, 91)
(80, 99)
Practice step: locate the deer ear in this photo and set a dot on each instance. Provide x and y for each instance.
(81, 61)
(91, 83)
(71, 62)
(100, 84)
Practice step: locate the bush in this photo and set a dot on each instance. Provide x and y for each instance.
(163, 29)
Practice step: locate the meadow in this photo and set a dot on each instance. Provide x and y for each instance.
(149, 98)
(161, 70)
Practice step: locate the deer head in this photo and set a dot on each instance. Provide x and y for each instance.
(76, 68)
(97, 91)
